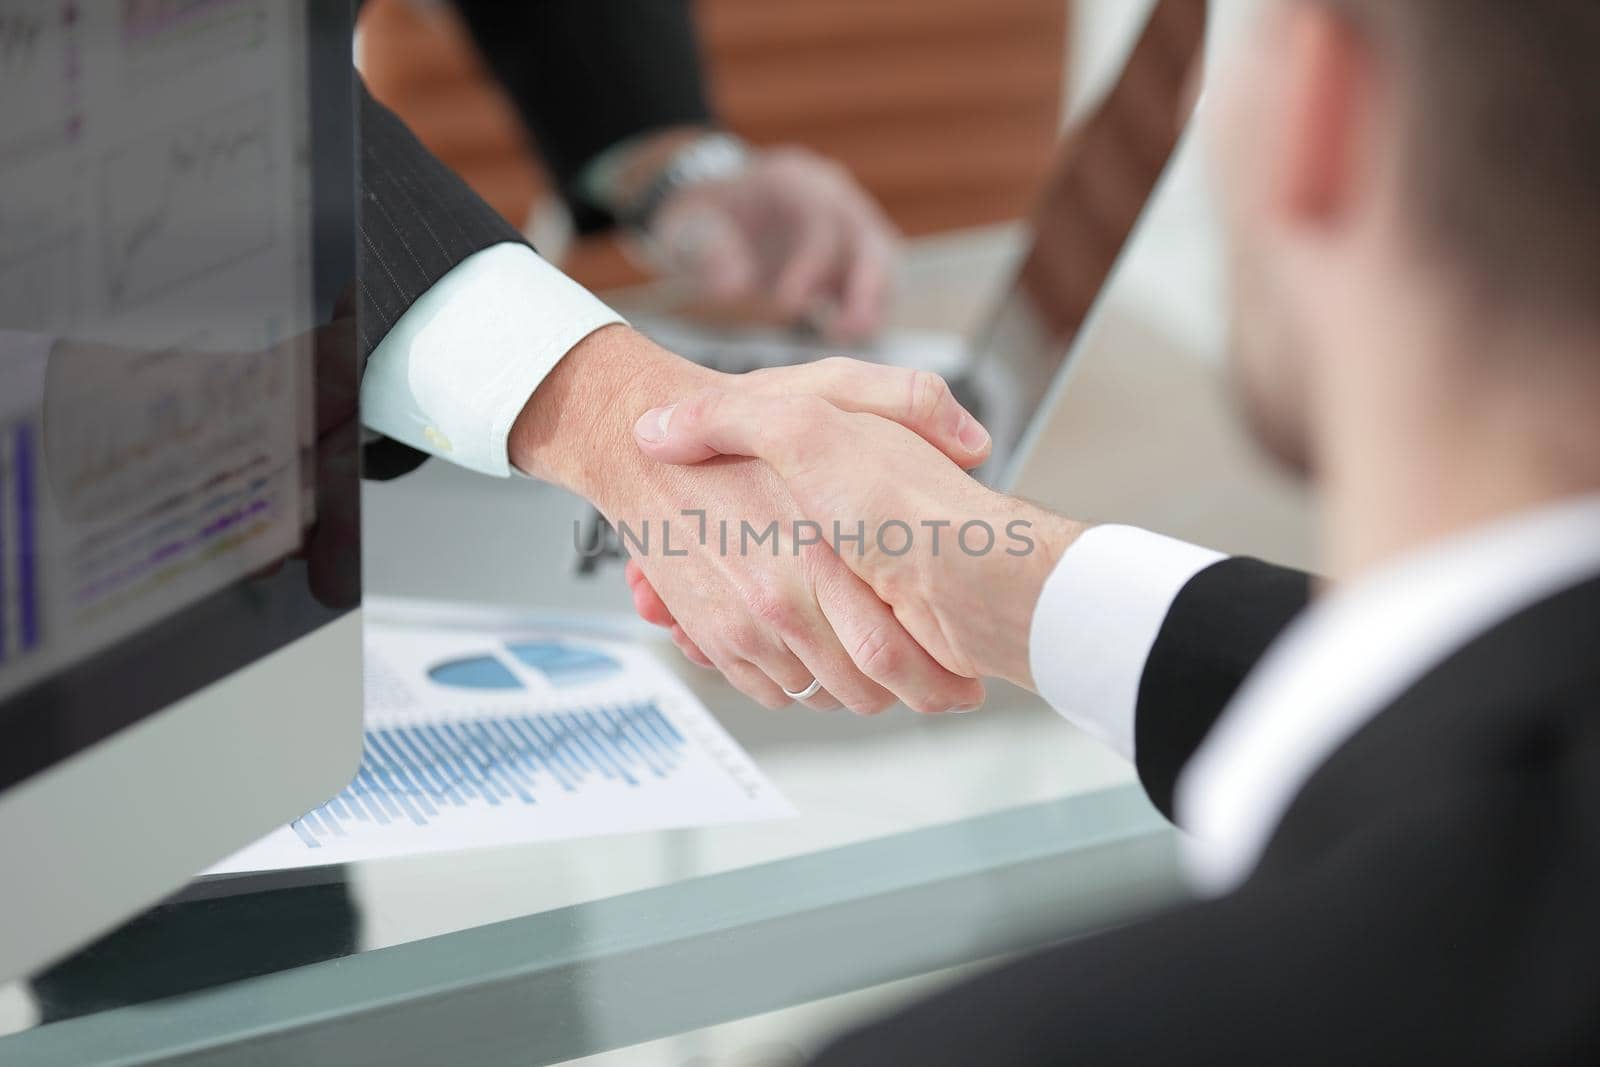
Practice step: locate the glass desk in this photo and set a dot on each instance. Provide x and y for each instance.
(923, 844)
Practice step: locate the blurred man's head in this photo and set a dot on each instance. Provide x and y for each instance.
(1389, 165)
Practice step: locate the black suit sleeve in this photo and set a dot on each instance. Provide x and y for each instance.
(586, 74)
(418, 221)
(1219, 626)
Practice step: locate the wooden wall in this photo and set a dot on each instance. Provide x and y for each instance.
(946, 110)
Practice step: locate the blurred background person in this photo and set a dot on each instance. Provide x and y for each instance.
(612, 97)
(1389, 775)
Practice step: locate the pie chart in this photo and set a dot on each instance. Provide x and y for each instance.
(561, 664)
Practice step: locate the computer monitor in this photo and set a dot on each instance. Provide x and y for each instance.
(180, 654)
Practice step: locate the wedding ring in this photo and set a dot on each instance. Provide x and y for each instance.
(805, 694)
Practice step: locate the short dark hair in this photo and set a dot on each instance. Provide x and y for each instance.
(1506, 134)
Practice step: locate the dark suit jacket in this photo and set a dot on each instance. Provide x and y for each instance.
(585, 74)
(1432, 895)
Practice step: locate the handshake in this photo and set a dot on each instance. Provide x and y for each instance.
(813, 532)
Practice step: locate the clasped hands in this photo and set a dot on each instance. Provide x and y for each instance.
(893, 575)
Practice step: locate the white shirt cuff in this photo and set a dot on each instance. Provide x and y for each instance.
(1097, 618)
(457, 369)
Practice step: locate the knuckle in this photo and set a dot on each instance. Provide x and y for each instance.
(744, 641)
(761, 380)
(928, 393)
(877, 653)
(899, 584)
(817, 559)
(701, 408)
(816, 164)
(768, 604)
(787, 160)
(822, 569)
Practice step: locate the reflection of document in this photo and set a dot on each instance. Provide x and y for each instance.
(156, 263)
(479, 738)
(133, 484)
(22, 368)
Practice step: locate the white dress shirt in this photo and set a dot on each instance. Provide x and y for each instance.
(459, 366)
(1353, 653)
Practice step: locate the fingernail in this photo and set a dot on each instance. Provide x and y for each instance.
(968, 710)
(972, 435)
(652, 425)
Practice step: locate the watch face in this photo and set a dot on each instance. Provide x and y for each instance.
(708, 159)
(714, 157)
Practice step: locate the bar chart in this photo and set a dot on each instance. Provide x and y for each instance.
(483, 737)
(20, 623)
(420, 773)
(118, 565)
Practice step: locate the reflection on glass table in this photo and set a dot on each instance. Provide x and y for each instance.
(891, 809)
(483, 732)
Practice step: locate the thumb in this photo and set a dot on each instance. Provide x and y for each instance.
(785, 431)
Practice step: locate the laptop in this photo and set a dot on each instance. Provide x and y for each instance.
(1010, 371)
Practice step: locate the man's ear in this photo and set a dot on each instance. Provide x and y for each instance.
(1326, 116)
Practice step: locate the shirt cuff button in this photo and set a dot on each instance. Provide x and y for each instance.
(437, 440)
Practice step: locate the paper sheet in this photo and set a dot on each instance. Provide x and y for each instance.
(479, 738)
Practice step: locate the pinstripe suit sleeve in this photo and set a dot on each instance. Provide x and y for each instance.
(589, 74)
(418, 222)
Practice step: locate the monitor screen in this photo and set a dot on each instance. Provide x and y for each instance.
(178, 427)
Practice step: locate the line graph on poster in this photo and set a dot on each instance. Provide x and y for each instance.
(188, 200)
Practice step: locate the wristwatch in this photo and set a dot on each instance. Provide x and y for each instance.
(713, 157)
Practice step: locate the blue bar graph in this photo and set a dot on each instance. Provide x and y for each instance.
(419, 773)
(23, 480)
(5, 558)
(19, 540)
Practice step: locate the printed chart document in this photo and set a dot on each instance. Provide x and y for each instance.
(481, 737)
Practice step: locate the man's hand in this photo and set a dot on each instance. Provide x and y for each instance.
(770, 616)
(793, 228)
(961, 566)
